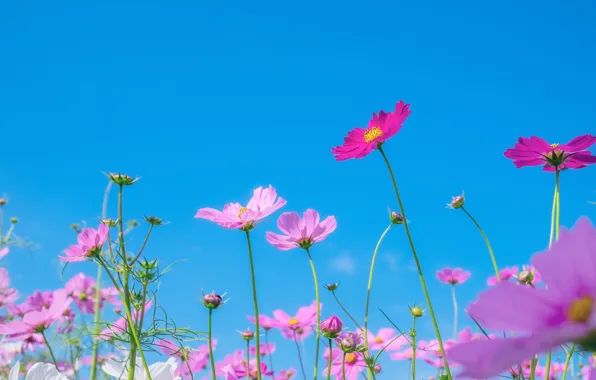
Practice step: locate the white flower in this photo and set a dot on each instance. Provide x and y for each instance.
(159, 371)
(39, 371)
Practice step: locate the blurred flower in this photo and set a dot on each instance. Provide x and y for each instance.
(354, 364)
(408, 353)
(385, 338)
(265, 322)
(361, 141)
(193, 360)
(162, 371)
(265, 348)
(82, 290)
(3, 252)
(262, 204)
(505, 274)
(39, 371)
(350, 342)
(301, 232)
(8, 295)
(286, 374)
(306, 317)
(453, 276)
(90, 242)
(535, 151)
(121, 325)
(332, 287)
(560, 313)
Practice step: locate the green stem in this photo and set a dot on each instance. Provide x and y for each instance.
(97, 327)
(256, 306)
(129, 319)
(343, 367)
(318, 328)
(248, 359)
(270, 354)
(454, 299)
(490, 248)
(212, 361)
(413, 343)
(370, 278)
(45, 339)
(346, 311)
(567, 361)
(299, 356)
(418, 266)
(330, 359)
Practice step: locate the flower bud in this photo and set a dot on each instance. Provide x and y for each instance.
(396, 217)
(110, 222)
(247, 335)
(525, 277)
(122, 179)
(332, 287)
(132, 223)
(416, 312)
(14, 220)
(154, 221)
(331, 327)
(212, 301)
(457, 201)
(74, 226)
(377, 368)
(3, 201)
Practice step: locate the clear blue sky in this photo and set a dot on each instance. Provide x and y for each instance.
(208, 100)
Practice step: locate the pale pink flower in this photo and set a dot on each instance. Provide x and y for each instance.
(354, 364)
(263, 203)
(286, 374)
(306, 317)
(7, 295)
(453, 276)
(266, 349)
(301, 232)
(3, 252)
(90, 242)
(385, 338)
(121, 325)
(265, 322)
(505, 274)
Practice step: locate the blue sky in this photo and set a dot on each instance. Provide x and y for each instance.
(208, 100)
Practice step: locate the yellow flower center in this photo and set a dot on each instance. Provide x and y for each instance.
(378, 340)
(554, 145)
(581, 310)
(372, 134)
(293, 322)
(351, 358)
(242, 211)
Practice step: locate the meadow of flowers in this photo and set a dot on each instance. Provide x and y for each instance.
(526, 318)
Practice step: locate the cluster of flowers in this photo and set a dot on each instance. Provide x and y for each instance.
(529, 312)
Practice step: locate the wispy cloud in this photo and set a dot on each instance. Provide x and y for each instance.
(391, 259)
(397, 262)
(344, 263)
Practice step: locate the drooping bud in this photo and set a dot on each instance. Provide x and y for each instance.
(247, 335)
(396, 217)
(331, 327)
(212, 301)
(457, 201)
(332, 287)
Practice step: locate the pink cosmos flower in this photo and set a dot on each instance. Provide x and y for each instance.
(407, 353)
(252, 367)
(227, 366)
(354, 364)
(385, 337)
(193, 360)
(3, 252)
(7, 295)
(505, 274)
(535, 151)
(306, 317)
(453, 276)
(560, 313)
(38, 301)
(361, 141)
(35, 322)
(297, 334)
(286, 374)
(82, 290)
(301, 232)
(90, 242)
(121, 325)
(263, 203)
(265, 322)
(266, 349)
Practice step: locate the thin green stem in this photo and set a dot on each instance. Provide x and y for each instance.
(346, 311)
(567, 361)
(418, 266)
(129, 318)
(299, 356)
(256, 306)
(370, 279)
(490, 248)
(454, 299)
(45, 339)
(209, 332)
(343, 367)
(558, 219)
(248, 359)
(270, 354)
(318, 327)
(413, 343)
(330, 359)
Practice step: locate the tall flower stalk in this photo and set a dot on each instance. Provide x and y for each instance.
(454, 299)
(318, 302)
(211, 301)
(418, 266)
(255, 304)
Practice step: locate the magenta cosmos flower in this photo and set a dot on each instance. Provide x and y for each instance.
(263, 203)
(301, 232)
(385, 339)
(534, 151)
(453, 276)
(545, 318)
(505, 274)
(265, 322)
(305, 317)
(361, 141)
(90, 242)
